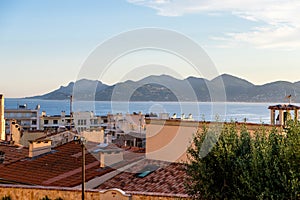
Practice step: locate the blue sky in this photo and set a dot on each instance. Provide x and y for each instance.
(43, 44)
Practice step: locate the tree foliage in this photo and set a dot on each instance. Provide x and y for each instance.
(6, 198)
(262, 165)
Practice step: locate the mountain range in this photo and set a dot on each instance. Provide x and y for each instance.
(167, 88)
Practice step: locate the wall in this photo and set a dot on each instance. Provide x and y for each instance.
(39, 147)
(61, 138)
(168, 140)
(39, 192)
(30, 136)
(108, 159)
(94, 136)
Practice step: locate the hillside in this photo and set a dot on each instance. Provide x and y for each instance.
(167, 88)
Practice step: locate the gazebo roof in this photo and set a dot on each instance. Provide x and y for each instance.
(284, 107)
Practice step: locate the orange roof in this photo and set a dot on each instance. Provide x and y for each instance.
(58, 168)
(13, 153)
(284, 107)
(167, 178)
(62, 167)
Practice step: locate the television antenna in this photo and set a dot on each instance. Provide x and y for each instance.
(291, 98)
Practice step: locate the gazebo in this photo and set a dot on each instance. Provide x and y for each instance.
(284, 113)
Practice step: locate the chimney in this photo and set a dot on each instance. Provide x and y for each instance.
(15, 132)
(37, 148)
(63, 114)
(110, 155)
(43, 113)
(2, 121)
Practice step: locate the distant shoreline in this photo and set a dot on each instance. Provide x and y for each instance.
(244, 102)
(166, 88)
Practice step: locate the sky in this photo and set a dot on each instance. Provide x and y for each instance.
(44, 44)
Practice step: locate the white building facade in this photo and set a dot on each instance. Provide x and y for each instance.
(29, 119)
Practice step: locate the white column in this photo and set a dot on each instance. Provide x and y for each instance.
(281, 118)
(296, 114)
(272, 116)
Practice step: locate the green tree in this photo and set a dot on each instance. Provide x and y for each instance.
(46, 198)
(240, 166)
(6, 198)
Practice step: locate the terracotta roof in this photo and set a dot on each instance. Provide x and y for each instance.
(58, 168)
(13, 153)
(284, 107)
(47, 134)
(62, 167)
(167, 178)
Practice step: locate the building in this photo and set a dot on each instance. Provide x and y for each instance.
(55, 122)
(281, 113)
(96, 136)
(119, 123)
(168, 140)
(127, 130)
(87, 121)
(56, 138)
(56, 172)
(28, 118)
(112, 172)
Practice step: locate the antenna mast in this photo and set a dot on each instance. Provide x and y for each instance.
(71, 112)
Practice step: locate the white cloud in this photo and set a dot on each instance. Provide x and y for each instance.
(281, 18)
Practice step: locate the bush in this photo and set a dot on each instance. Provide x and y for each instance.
(46, 198)
(240, 166)
(6, 198)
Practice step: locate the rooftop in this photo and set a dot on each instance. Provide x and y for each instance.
(60, 167)
(150, 176)
(13, 153)
(284, 107)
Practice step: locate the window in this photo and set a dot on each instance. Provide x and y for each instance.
(33, 122)
(81, 122)
(55, 121)
(46, 121)
(146, 171)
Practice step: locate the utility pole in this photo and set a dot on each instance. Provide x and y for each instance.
(83, 169)
(83, 142)
(71, 112)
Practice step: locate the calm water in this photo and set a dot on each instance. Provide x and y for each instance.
(253, 112)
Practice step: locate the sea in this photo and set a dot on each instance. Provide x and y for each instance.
(208, 111)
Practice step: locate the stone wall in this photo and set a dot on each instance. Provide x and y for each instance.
(39, 192)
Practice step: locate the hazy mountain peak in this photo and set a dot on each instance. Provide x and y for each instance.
(230, 80)
(167, 88)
